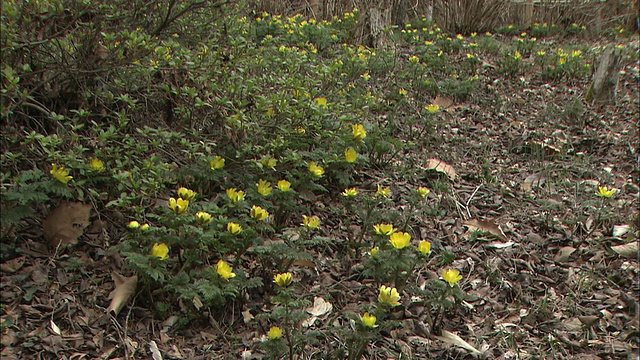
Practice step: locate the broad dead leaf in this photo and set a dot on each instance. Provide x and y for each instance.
(320, 307)
(443, 101)
(125, 287)
(486, 226)
(533, 181)
(563, 254)
(620, 230)
(247, 316)
(440, 166)
(65, 224)
(628, 250)
(13, 265)
(453, 339)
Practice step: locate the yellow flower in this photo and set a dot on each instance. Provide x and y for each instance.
(264, 187)
(358, 131)
(144, 227)
(203, 217)
(368, 320)
(97, 165)
(60, 173)
(562, 60)
(576, 53)
(234, 228)
(606, 192)
(284, 185)
(161, 251)
(384, 229)
(300, 130)
(275, 333)
(217, 163)
(316, 169)
(402, 92)
(310, 222)
(424, 247)
(258, 213)
(224, 270)
(433, 108)
(389, 296)
(186, 194)
(384, 192)
(400, 240)
(178, 206)
(452, 276)
(375, 252)
(460, 37)
(322, 102)
(366, 76)
(517, 55)
(133, 224)
(283, 279)
(541, 53)
(235, 195)
(350, 192)
(423, 191)
(414, 59)
(350, 155)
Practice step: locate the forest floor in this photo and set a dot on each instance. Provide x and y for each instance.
(556, 283)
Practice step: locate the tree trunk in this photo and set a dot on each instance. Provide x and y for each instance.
(605, 81)
(380, 22)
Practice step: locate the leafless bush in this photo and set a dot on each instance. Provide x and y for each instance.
(467, 16)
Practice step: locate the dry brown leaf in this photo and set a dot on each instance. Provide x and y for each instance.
(628, 250)
(440, 166)
(487, 226)
(544, 148)
(443, 101)
(533, 181)
(12, 265)
(125, 287)
(65, 224)
(563, 254)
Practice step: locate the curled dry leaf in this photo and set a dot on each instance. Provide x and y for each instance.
(65, 224)
(440, 166)
(486, 226)
(125, 287)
